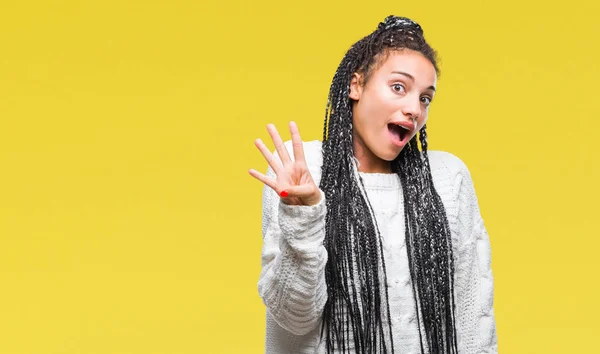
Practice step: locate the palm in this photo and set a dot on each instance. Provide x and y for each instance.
(292, 175)
(297, 175)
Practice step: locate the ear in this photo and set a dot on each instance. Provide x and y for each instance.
(355, 87)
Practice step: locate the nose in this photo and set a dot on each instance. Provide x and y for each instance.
(412, 108)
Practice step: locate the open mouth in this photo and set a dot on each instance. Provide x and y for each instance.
(399, 133)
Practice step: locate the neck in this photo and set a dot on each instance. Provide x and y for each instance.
(367, 161)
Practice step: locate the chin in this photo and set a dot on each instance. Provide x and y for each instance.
(389, 156)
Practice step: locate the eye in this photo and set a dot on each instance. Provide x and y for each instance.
(398, 88)
(426, 100)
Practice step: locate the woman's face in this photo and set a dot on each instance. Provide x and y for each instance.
(397, 94)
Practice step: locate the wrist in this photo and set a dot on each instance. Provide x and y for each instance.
(314, 199)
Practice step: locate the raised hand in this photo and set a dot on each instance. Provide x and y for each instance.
(293, 181)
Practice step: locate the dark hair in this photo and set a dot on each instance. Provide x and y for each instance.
(357, 308)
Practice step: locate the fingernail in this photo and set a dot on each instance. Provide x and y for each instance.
(283, 194)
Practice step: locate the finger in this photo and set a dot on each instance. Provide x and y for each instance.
(264, 179)
(304, 190)
(271, 160)
(296, 142)
(279, 145)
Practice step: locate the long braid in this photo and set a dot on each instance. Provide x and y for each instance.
(357, 310)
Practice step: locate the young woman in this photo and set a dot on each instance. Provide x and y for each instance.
(372, 245)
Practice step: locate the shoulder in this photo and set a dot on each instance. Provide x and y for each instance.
(454, 184)
(451, 177)
(445, 165)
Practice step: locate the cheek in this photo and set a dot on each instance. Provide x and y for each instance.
(365, 112)
(420, 123)
(360, 121)
(376, 102)
(422, 120)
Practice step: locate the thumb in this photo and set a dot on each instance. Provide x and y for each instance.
(301, 191)
(308, 194)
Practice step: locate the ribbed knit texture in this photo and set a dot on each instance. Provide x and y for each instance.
(292, 282)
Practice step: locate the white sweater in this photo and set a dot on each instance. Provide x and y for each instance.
(292, 281)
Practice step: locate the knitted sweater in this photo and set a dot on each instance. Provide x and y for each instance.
(292, 281)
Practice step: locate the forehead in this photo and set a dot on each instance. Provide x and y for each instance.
(410, 62)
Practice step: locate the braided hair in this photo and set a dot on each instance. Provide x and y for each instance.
(357, 312)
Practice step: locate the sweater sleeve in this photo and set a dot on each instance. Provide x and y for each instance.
(474, 285)
(292, 281)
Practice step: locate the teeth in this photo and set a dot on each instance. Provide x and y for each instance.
(403, 127)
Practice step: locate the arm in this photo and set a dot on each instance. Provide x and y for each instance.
(292, 281)
(474, 283)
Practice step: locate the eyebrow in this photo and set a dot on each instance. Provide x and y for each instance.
(411, 77)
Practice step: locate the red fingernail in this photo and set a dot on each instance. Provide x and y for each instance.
(284, 194)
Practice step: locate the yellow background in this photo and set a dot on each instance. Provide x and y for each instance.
(129, 223)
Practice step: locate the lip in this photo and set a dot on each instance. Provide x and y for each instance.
(408, 125)
(410, 129)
